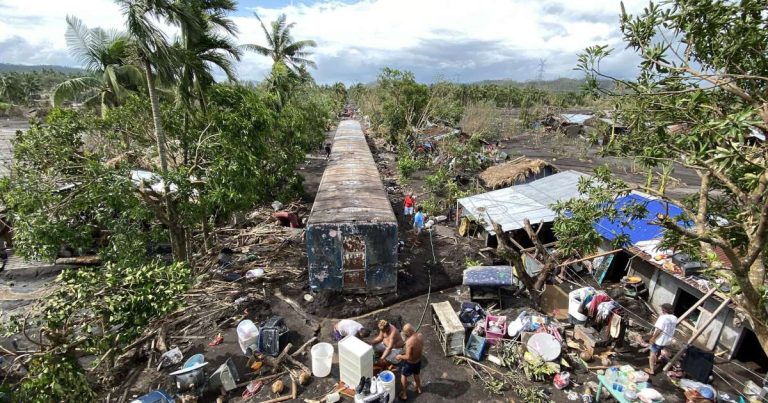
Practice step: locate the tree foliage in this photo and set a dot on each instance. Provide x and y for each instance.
(699, 101)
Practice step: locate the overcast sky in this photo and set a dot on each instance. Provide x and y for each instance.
(468, 40)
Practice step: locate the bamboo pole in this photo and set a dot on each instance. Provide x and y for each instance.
(697, 333)
(696, 305)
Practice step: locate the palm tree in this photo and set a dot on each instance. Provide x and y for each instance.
(159, 60)
(105, 56)
(11, 87)
(281, 46)
(205, 45)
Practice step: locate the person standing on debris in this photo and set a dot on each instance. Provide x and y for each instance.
(663, 333)
(347, 327)
(411, 360)
(388, 342)
(327, 150)
(418, 224)
(408, 203)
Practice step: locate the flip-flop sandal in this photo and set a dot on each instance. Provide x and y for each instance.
(648, 371)
(403, 398)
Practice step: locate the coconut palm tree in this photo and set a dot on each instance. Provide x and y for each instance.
(280, 44)
(11, 87)
(105, 56)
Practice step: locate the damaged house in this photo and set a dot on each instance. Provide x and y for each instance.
(669, 277)
(510, 206)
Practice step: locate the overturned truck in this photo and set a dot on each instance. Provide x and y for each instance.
(351, 233)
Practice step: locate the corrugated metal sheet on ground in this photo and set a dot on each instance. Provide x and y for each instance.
(642, 229)
(510, 206)
(576, 118)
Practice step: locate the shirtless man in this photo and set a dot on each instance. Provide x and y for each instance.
(411, 360)
(388, 342)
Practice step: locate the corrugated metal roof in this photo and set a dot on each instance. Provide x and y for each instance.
(510, 206)
(351, 189)
(641, 229)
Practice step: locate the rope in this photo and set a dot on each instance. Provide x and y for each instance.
(429, 274)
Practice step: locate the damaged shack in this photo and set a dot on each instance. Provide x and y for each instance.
(510, 206)
(351, 233)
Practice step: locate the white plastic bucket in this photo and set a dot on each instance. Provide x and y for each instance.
(322, 359)
(333, 397)
(247, 335)
(387, 379)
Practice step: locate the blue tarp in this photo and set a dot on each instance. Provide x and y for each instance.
(640, 229)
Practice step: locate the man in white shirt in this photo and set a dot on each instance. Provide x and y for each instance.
(663, 333)
(347, 327)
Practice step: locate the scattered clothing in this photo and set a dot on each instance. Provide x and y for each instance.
(598, 299)
(615, 326)
(604, 310)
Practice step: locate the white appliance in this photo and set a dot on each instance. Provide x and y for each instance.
(355, 360)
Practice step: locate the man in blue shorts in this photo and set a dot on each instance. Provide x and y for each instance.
(410, 361)
(663, 333)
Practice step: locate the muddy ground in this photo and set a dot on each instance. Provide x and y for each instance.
(443, 379)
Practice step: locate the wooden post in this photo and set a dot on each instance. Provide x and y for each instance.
(696, 305)
(697, 333)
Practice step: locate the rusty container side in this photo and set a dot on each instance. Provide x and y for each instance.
(352, 257)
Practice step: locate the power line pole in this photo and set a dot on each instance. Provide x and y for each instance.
(542, 63)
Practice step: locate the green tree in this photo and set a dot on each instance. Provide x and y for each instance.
(281, 46)
(111, 78)
(700, 100)
(159, 59)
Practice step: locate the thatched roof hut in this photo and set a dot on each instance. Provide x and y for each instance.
(516, 172)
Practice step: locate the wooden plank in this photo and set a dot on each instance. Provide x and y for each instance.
(447, 317)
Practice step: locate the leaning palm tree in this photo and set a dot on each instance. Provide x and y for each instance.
(280, 44)
(105, 56)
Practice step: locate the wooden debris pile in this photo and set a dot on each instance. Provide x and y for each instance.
(261, 243)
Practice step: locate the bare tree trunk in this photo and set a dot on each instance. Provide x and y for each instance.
(750, 299)
(515, 259)
(156, 118)
(175, 228)
(701, 214)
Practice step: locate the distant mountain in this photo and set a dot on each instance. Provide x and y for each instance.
(8, 68)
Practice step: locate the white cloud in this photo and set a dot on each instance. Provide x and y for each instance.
(470, 40)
